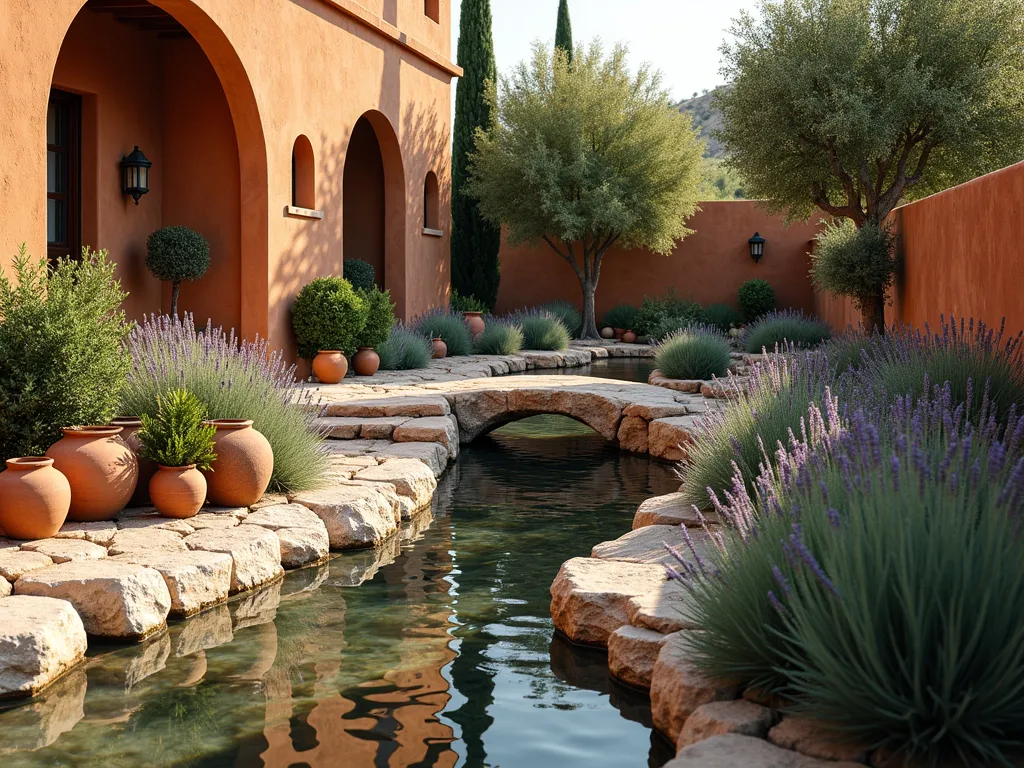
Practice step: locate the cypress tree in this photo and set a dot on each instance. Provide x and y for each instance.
(563, 32)
(475, 242)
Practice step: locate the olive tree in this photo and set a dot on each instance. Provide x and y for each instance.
(584, 156)
(852, 106)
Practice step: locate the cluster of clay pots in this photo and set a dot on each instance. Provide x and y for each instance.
(619, 334)
(330, 366)
(94, 472)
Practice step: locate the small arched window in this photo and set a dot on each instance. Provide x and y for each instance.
(431, 219)
(432, 8)
(303, 175)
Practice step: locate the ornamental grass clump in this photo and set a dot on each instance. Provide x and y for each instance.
(404, 350)
(620, 316)
(450, 327)
(234, 380)
(785, 327)
(541, 329)
(697, 352)
(877, 581)
(722, 316)
(499, 337)
(566, 312)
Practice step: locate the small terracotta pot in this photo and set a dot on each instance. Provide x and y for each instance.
(243, 467)
(101, 469)
(330, 366)
(618, 333)
(629, 337)
(178, 492)
(607, 333)
(34, 498)
(130, 425)
(440, 348)
(475, 321)
(366, 361)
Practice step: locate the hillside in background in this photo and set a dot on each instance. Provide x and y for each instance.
(720, 181)
(707, 118)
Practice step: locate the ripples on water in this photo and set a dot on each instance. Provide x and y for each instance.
(444, 654)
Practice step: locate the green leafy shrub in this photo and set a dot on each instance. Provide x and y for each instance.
(380, 317)
(655, 312)
(620, 316)
(62, 352)
(500, 337)
(404, 350)
(566, 312)
(722, 316)
(177, 435)
(460, 303)
(449, 327)
(786, 326)
(859, 263)
(328, 314)
(541, 329)
(846, 351)
(233, 379)
(360, 274)
(756, 298)
(177, 253)
(698, 352)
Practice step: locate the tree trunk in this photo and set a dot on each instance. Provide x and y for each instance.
(589, 327)
(174, 298)
(872, 314)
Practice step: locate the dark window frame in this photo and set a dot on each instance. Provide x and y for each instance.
(70, 114)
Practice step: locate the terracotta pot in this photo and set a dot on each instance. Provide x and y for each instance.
(475, 321)
(440, 348)
(130, 426)
(101, 469)
(366, 361)
(618, 333)
(178, 491)
(607, 333)
(244, 464)
(329, 366)
(34, 498)
(629, 337)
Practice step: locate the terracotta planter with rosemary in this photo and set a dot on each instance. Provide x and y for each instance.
(34, 498)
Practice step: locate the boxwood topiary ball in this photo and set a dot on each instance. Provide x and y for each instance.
(177, 253)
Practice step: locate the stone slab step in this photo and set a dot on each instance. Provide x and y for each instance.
(41, 638)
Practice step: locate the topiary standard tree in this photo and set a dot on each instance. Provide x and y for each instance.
(177, 253)
(584, 156)
(475, 241)
(563, 30)
(853, 107)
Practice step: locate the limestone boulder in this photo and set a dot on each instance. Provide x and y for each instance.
(678, 688)
(155, 522)
(303, 546)
(433, 455)
(669, 437)
(115, 600)
(41, 638)
(355, 515)
(205, 521)
(671, 509)
(430, 429)
(101, 533)
(137, 540)
(724, 389)
(255, 553)
(647, 545)
(5, 587)
(666, 609)
(733, 750)
(413, 406)
(633, 434)
(814, 739)
(718, 717)
(285, 516)
(66, 550)
(658, 379)
(478, 412)
(589, 596)
(632, 652)
(195, 580)
(649, 408)
(15, 563)
(411, 479)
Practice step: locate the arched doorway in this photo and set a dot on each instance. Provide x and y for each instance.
(373, 203)
(162, 76)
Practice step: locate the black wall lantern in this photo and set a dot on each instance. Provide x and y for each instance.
(756, 247)
(135, 174)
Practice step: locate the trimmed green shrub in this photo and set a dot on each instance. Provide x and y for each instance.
(233, 379)
(541, 329)
(756, 298)
(404, 350)
(500, 337)
(460, 303)
(328, 314)
(178, 434)
(62, 352)
(786, 326)
(380, 317)
(566, 312)
(174, 254)
(859, 263)
(620, 316)
(698, 352)
(449, 327)
(655, 313)
(360, 274)
(722, 316)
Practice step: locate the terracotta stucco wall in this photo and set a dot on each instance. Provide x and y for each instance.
(708, 266)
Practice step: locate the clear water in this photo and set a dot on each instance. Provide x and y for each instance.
(439, 651)
(621, 368)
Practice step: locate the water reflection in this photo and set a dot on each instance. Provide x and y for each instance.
(435, 650)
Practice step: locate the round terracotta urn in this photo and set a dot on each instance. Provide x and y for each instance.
(130, 426)
(366, 361)
(330, 366)
(34, 498)
(178, 492)
(244, 464)
(618, 333)
(607, 333)
(101, 469)
(440, 349)
(475, 321)
(629, 337)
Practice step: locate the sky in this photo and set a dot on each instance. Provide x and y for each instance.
(679, 37)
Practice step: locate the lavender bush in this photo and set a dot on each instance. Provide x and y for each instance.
(404, 350)
(877, 578)
(235, 380)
